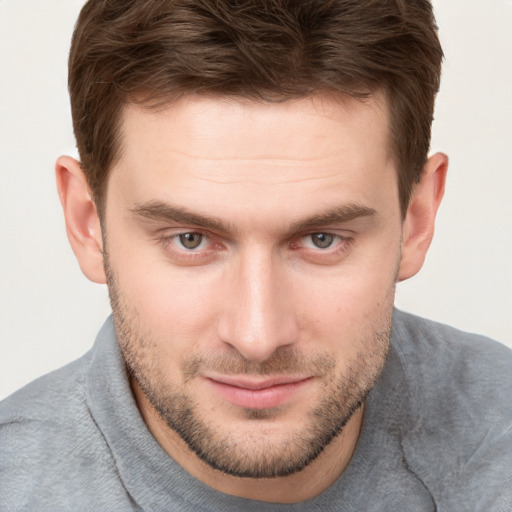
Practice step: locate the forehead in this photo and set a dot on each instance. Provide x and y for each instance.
(307, 128)
(306, 116)
(238, 153)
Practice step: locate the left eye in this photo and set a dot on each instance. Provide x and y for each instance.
(321, 240)
(191, 241)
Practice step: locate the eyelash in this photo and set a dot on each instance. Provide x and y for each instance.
(170, 244)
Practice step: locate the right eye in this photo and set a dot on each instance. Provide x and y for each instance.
(191, 247)
(191, 241)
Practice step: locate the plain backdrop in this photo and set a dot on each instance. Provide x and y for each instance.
(50, 313)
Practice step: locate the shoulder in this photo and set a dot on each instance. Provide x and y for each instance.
(416, 337)
(459, 434)
(45, 399)
(38, 428)
(50, 449)
(453, 372)
(448, 356)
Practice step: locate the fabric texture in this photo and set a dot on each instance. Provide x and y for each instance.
(436, 436)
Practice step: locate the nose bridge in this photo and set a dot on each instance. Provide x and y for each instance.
(259, 317)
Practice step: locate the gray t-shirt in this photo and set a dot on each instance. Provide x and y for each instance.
(436, 436)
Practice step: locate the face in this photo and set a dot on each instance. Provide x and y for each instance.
(252, 252)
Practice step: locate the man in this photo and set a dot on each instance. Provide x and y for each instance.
(253, 183)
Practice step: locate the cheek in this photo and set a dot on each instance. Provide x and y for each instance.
(176, 308)
(351, 305)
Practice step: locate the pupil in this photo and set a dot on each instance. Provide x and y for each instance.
(191, 240)
(322, 240)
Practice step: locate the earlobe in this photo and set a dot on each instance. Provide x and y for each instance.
(418, 226)
(82, 221)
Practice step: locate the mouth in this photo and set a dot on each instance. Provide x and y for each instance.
(250, 393)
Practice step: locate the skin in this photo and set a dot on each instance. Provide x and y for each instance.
(254, 184)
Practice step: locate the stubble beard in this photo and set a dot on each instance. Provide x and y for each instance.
(254, 455)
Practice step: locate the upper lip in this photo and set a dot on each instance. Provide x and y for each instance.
(246, 382)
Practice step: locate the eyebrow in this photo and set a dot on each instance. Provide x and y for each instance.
(157, 210)
(160, 211)
(339, 215)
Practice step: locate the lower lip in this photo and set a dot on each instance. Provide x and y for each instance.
(266, 398)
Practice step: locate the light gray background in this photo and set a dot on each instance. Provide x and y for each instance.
(50, 313)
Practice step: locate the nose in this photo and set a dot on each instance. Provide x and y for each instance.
(258, 315)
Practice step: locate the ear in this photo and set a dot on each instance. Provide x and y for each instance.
(82, 221)
(418, 226)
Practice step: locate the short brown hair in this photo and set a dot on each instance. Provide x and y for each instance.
(270, 50)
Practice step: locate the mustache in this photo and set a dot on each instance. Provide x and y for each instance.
(286, 361)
